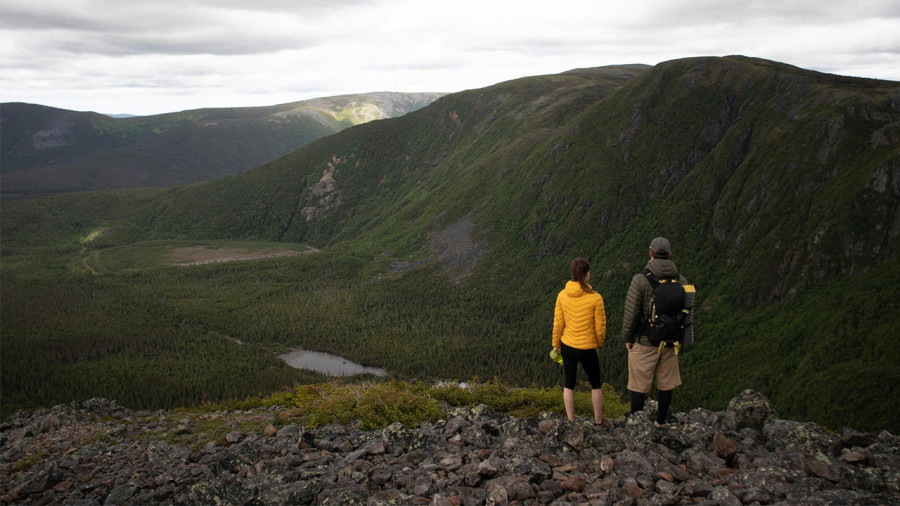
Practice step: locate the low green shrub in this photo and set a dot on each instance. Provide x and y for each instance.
(377, 405)
(373, 406)
(527, 402)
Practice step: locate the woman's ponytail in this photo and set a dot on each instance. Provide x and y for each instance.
(580, 268)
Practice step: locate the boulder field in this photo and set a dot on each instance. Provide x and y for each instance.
(97, 452)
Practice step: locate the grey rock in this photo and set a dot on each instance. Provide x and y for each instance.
(645, 481)
(534, 469)
(856, 456)
(386, 497)
(167, 455)
(213, 492)
(120, 495)
(472, 479)
(805, 437)
(456, 425)
(289, 430)
(703, 417)
(819, 466)
(851, 438)
(450, 463)
(488, 469)
(604, 442)
(721, 495)
(520, 491)
(607, 464)
(756, 495)
(679, 438)
(665, 487)
(423, 485)
(572, 435)
(631, 463)
(40, 479)
(49, 423)
(342, 495)
(81, 501)
(398, 438)
(749, 409)
(699, 488)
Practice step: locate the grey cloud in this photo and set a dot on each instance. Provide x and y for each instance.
(293, 6)
(42, 50)
(804, 12)
(111, 16)
(161, 31)
(228, 27)
(15, 19)
(218, 43)
(419, 65)
(33, 16)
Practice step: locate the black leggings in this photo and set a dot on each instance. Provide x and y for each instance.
(589, 361)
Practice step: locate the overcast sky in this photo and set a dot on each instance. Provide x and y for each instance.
(149, 57)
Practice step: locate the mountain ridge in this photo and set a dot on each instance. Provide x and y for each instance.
(47, 149)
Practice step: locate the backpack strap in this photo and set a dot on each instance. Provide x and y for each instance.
(654, 281)
(644, 323)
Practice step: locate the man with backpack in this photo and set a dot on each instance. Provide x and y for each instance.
(657, 323)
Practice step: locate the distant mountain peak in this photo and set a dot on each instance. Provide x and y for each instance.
(50, 150)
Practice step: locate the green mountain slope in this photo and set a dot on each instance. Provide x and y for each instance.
(48, 150)
(447, 233)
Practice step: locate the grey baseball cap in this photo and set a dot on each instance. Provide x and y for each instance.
(660, 245)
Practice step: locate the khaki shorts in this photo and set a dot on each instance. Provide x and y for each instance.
(644, 362)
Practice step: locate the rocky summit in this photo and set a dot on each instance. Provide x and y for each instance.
(97, 452)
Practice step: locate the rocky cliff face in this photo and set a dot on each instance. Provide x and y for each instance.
(97, 452)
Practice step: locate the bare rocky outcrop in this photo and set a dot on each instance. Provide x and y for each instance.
(456, 248)
(97, 452)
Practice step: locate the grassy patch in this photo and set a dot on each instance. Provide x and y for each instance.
(374, 406)
(527, 402)
(150, 254)
(377, 405)
(26, 463)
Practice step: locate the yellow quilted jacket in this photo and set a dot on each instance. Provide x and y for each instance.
(579, 320)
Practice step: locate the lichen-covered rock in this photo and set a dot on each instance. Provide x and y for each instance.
(749, 409)
(216, 492)
(400, 439)
(805, 437)
(534, 469)
(722, 495)
(630, 463)
(163, 454)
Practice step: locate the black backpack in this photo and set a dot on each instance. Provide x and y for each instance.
(670, 314)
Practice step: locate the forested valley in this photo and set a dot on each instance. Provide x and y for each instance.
(444, 236)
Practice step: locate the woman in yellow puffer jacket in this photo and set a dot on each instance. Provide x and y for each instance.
(579, 329)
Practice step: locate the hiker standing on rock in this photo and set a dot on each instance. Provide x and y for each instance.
(657, 321)
(579, 329)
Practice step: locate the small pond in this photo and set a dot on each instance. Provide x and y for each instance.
(326, 363)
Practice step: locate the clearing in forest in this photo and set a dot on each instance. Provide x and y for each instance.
(149, 254)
